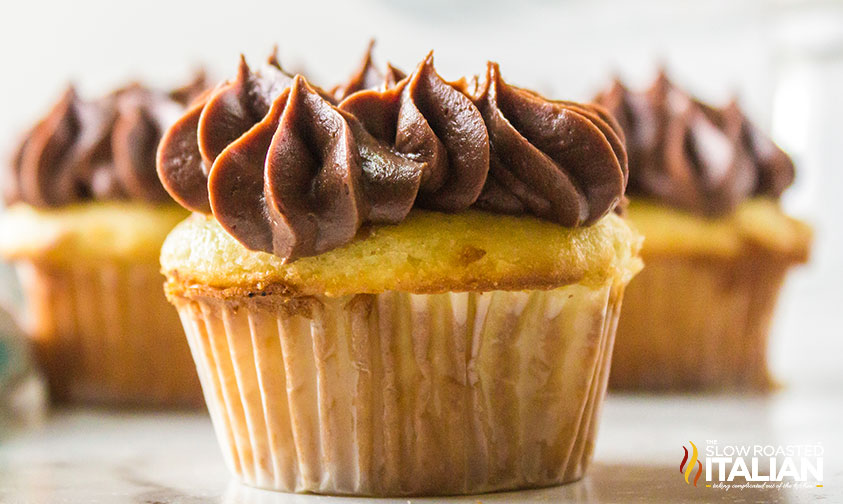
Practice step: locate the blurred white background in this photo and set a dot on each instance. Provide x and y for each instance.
(783, 60)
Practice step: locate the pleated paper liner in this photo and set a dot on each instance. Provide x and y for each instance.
(698, 323)
(405, 394)
(105, 334)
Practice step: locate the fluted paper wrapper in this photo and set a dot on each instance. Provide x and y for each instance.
(698, 324)
(105, 334)
(405, 394)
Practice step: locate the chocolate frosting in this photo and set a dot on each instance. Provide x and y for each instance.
(194, 141)
(692, 156)
(294, 174)
(368, 76)
(560, 161)
(97, 150)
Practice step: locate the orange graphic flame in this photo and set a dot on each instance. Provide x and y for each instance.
(699, 471)
(687, 470)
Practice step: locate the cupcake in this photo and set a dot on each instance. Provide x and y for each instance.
(704, 185)
(413, 291)
(85, 221)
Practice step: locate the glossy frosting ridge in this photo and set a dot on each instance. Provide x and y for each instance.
(284, 169)
(368, 76)
(102, 149)
(693, 156)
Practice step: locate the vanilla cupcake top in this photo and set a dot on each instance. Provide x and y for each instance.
(693, 156)
(288, 168)
(102, 149)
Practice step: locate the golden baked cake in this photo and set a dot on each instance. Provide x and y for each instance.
(704, 185)
(406, 289)
(85, 221)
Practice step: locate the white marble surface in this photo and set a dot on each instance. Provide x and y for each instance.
(87, 456)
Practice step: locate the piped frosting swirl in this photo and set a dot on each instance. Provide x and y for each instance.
(97, 150)
(693, 156)
(300, 175)
(368, 76)
(561, 161)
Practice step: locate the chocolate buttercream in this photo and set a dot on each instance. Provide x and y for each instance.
(300, 175)
(693, 156)
(368, 76)
(558, 160)
(97, 150)
(194, 141)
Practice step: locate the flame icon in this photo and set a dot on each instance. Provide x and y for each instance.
(687, 470)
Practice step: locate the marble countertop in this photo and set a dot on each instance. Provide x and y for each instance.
(95, 456)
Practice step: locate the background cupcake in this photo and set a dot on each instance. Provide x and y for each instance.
(704, 185)
(411, 292)
(86, 219)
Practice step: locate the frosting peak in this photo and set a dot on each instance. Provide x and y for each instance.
(431, 122)
(368, 76)
(100, 149)
(693, 156)
(287, 171)
(189, 147)
(561, 161)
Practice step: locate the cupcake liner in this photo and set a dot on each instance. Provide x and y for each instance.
(104, 333)
(405, 394)
(698, 323)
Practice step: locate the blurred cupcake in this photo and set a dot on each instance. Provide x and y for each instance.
(85, 221)
(704, 185)
(411, 292)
